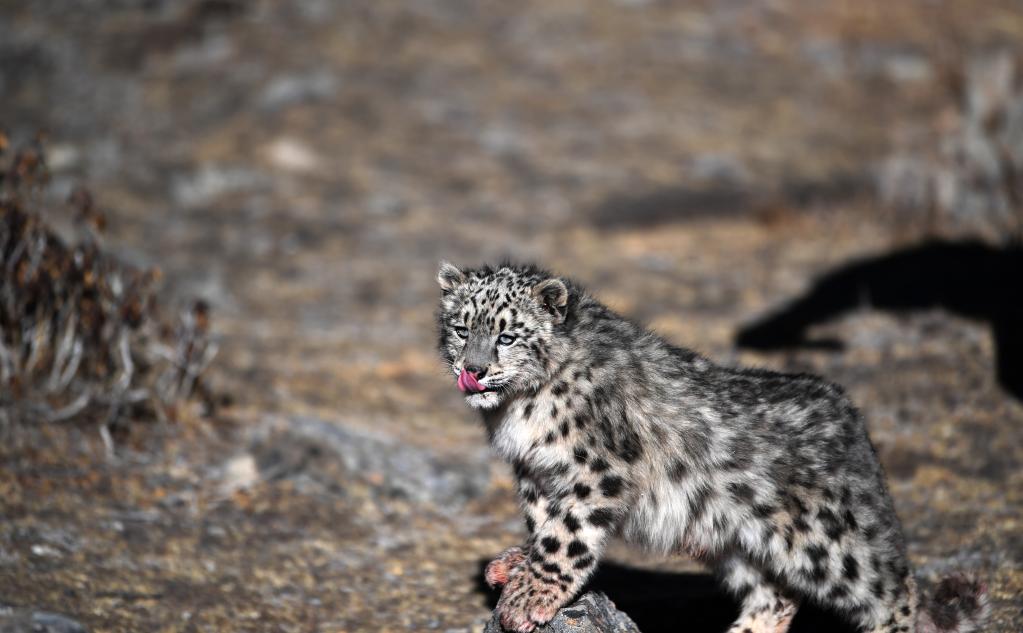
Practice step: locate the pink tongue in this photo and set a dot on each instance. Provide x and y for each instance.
(467, 382)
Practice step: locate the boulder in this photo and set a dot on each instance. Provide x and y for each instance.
(29, 621)
(593, 612)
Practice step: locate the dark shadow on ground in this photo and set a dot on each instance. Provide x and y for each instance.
(666, 602)
(718, 201)
(967, 278)
(673, 204)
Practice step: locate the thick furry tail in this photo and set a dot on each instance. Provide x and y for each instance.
(959, 605)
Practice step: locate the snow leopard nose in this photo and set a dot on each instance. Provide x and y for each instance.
(477, 371)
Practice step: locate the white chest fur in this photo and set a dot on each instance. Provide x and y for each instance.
(523, 432)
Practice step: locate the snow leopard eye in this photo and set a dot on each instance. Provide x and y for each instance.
(462, 332)
(505, 339)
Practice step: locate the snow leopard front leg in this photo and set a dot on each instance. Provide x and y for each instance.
(512, 561)
(569, 521)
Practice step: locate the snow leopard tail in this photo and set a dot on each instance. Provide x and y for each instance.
(959, 605)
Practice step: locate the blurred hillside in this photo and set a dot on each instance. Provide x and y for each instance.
(302, 167)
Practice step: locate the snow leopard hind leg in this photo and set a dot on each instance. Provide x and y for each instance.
(765, 609)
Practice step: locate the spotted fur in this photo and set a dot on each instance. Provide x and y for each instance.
(768, 478)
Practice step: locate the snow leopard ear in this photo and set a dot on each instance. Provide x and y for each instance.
(449, 277)
(553, 296)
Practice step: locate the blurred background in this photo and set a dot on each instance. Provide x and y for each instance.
(221, 406)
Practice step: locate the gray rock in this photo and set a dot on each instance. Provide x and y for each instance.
(29, 621)
(305, 447)
(591, 613)
(289, 89)
(209, 182)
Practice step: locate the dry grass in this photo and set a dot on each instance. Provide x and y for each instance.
(81, 333)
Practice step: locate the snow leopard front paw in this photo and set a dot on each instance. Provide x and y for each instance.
(527, 602)
(507, 564)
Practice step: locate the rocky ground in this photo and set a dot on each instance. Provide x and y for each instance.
(303, 166)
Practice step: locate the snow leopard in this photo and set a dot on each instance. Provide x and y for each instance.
(767, 478)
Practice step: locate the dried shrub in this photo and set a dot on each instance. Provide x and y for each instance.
(964, 173)
(81, 333)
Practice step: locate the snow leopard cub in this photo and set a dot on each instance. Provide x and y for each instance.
(768, 478)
